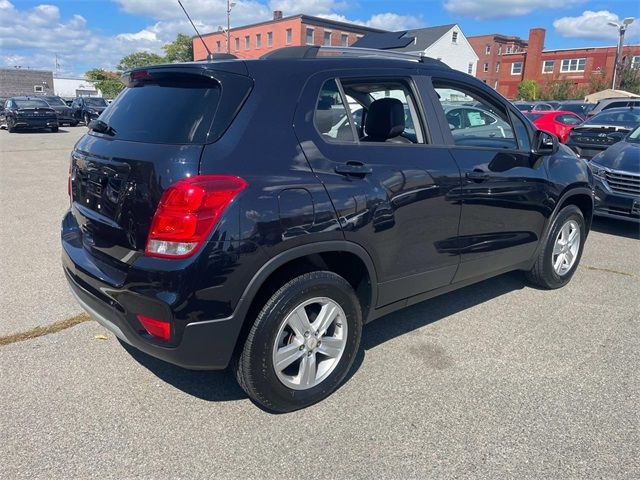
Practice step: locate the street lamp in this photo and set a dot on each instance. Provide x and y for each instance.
(621, 31)
(230, 5)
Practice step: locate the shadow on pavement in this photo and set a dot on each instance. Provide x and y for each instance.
(221, 385)
(612, 226)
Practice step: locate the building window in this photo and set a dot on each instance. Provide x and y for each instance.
(500, 50)
(289, 35)
(516, 68)
(485, 67)
(237, 44)
(258, 40)
(497, 67)
(38, 89)
(547, 66)
(218, 46)
(326, 39)
(470, 68)
(454, 37)
(487, 50)
(309, 36)
(247, 42)
(269, 39)
(573, 65)
(509, 49)
(344, 40)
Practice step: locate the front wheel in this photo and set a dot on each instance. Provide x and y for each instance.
(87, 119)
(54, 129)
(302, 343)
(560, 255)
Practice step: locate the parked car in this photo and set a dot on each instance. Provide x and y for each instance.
(28, 113)
(603, 130)
(63, 112)
(87, 108)
(473, 121)
(579, 108)
(244, 231)
(559, 123)
(616, 173)
(533, 106)
(617, 102)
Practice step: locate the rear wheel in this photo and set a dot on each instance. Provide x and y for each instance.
(302, 344)
(54, 129)
(562, 250)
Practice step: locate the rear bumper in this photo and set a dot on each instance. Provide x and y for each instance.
(35, 123)
(204, 345)
(615, 205)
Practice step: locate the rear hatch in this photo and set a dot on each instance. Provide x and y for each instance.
(598, 136)
(150, 137)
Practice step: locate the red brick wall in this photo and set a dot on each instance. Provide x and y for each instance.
(499, 45)
(278, 28)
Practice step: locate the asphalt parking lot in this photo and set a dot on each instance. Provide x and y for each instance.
(498, 380)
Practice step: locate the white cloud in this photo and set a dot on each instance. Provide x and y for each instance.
(383, 21)
(503, 8)
(593, 25)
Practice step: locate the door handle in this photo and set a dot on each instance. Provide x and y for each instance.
(354, 169)
(478, 176)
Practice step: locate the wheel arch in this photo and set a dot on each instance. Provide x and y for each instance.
(347, 259)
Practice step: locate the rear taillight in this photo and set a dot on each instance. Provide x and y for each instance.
(156, 328)
(187, 212)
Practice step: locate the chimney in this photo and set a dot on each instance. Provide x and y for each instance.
(533, 58)
(277, 14)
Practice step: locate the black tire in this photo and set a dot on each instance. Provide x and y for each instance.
(86, 118)
(55, 129)
(543, 273)
(254, 366)
(74, 124)
(10, 128)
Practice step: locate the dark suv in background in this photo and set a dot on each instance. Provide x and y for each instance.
(63, 111)
(86, 109)
(262, 223)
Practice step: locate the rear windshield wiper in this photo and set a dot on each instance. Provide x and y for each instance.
(102, 127)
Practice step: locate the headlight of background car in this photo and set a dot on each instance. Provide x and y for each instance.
(598, 170)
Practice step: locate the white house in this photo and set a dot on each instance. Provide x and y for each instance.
(446, 43)
(69, 87)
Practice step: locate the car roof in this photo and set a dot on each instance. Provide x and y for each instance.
(630, 108)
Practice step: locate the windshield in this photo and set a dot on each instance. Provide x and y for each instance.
(634, 136)
(31, 103)
(95, 102)
(57, 101)
(533, 116)
(624, 117)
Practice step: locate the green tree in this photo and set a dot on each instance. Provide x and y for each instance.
(630, 78)
(108, 83)
(180, 50)
(557, 90)
(529, 90)
(139, 59)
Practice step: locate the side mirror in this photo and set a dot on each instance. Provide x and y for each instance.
(544, 143)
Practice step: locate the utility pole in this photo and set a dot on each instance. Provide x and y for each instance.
(621, 31)
(230, 5)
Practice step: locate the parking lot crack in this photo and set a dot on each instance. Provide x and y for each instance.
(609, 270)
(44, 330)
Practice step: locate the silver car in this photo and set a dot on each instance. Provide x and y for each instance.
(469, 121)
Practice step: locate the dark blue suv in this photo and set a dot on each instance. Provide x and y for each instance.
(256, 213)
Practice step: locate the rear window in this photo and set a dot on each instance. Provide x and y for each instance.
(31, 103)
(95, 102)
(57, 101)
(176, 109)
(615, 118)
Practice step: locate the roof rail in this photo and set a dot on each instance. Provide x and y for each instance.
(314, 51)
(219, 56)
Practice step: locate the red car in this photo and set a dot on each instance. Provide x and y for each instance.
(558, 122)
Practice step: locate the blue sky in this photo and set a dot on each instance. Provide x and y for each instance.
(97, 33)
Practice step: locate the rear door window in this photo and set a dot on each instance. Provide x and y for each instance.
(169, 109)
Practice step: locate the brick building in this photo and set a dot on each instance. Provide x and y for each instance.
(24, 81)
(490, 49)
(255, 40)
(579, 66)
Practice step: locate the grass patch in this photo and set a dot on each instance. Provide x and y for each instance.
(46, 330)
